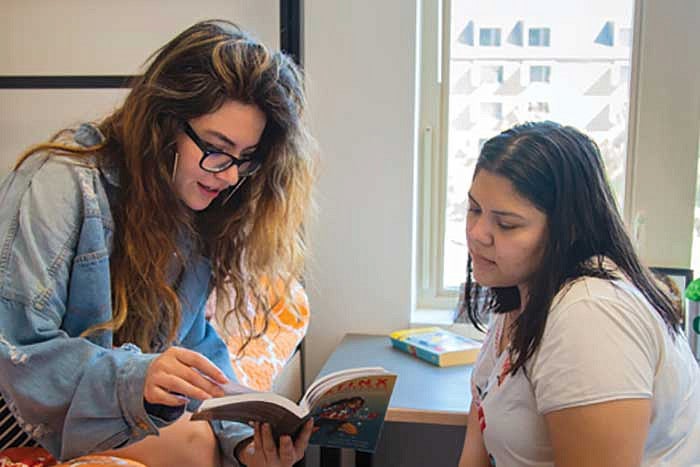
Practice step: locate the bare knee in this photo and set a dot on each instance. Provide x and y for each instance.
(200, 442)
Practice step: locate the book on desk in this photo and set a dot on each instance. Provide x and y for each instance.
(348, 408)
(436, 345)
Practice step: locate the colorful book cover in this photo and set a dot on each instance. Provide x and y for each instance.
(351, 414)
(437, 346)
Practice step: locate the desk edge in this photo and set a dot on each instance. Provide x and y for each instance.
(435, 417)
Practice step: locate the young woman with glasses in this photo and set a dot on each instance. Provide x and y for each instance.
(114, 234)
(584, 363)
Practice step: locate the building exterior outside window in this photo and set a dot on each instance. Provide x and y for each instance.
(585, 78)
(587, 85)
(538, 37)
(490, 37)
(492, 74)
(540, 73)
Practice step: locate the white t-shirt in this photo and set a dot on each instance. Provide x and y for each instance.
(603, 341)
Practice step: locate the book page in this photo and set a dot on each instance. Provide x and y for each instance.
(323, 383)
(237, 399)
(282, 420)
(232, 388)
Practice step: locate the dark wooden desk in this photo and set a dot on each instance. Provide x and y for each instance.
(424, 393)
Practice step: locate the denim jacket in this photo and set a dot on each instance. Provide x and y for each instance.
(77, 395)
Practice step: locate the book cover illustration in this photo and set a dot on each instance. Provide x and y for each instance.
(437, 346)
(351, 414)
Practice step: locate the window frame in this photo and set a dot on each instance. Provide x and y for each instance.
(645, 217)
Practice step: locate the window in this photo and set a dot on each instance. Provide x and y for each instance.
(492, 110)
(538, 107)
(605, 36)
(625, 37)
(540, 73)
(490, 37)
(515, 36)
(596, 88)
(491, 74)
(538, 37)
(624, 74)
(467, 34)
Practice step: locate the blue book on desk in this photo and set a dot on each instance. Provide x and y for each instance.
(437, 346)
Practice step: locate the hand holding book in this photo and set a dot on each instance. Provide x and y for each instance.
(169, 378)
(287, 452)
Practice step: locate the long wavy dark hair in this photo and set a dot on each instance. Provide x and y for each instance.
(255, 241)
(560, 171)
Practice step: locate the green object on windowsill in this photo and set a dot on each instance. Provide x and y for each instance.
(693, 291)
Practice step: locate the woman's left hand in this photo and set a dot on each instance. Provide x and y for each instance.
(263, 452)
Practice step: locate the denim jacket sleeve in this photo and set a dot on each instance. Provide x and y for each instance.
(201, 337)
(73, 394)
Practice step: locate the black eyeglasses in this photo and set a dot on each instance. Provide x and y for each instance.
(215, 160)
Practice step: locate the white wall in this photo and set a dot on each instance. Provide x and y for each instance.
(77, 37)
(83, 37)
(664, 143)
(29, 116)
(361, 79)
(360, 65)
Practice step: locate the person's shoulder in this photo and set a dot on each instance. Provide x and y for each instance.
(63, 174)
(604, 281)
(602, 299)
(63, 169)
(54, 187)
(587, 287)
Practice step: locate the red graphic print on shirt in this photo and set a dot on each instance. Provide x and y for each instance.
(482, 418)
(505, 370)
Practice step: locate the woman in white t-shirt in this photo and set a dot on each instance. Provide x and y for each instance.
(584, 363)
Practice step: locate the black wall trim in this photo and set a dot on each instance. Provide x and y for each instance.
(290, 28)
(65, 82)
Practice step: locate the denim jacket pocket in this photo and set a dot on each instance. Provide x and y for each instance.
(88, 304)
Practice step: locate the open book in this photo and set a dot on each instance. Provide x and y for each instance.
(348, 408)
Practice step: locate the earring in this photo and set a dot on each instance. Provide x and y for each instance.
(233, 190)
(175, 161)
